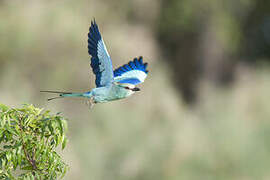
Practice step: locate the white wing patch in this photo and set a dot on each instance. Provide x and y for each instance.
(137, 74)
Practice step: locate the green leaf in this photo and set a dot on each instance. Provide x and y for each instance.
(3, 107)
(7, 146)
(27, 168)
(8, 156)
(60, 125)
(19, 155)
(14, 159)
(3, 163)
(3, 121)
(51, 128)
(64, 143)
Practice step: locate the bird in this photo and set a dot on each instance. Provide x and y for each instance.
(111, 84)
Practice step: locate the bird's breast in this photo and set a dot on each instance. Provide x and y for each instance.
(111, 93)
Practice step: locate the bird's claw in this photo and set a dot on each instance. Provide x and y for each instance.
(90, 102)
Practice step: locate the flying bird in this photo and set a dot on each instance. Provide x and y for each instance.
(110, 84)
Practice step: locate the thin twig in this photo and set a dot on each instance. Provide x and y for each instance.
(31, 161)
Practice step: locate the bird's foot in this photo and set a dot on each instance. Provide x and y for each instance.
(90, 102)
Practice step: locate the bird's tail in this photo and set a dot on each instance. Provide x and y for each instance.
(64, 94)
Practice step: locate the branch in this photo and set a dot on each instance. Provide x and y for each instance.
(31, 161)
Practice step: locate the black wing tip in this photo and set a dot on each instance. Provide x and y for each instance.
(94, 33)
(136, 63)
(94, 24)
(94, 36)
(139, 58)
(93, 20)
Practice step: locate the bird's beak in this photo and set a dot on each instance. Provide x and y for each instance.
(136, 89)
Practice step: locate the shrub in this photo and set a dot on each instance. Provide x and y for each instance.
(29, 137)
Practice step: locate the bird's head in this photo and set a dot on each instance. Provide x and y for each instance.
(128, 86)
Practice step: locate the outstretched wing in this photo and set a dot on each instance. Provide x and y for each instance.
(100, 62)
(133, 72)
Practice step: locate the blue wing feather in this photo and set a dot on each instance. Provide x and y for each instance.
(130, 81)
(100, 61)
(136, 64)
(134, 72)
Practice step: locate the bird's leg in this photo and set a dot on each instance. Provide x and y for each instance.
(90, 102)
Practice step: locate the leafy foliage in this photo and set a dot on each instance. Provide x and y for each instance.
(28, 139)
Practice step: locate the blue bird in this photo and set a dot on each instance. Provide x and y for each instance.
(110, 84)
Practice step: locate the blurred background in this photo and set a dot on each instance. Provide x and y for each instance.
(203, 112)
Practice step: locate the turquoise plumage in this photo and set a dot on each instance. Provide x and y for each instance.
(110, 84)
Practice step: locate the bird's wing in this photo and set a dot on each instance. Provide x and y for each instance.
(133, 72)
(100, 62)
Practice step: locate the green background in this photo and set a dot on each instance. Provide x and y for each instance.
(203, 112)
